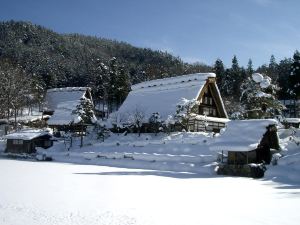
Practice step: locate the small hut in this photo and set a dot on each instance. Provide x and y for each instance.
(249, 145)
(25, 141)
(248, 141)
(61, 104)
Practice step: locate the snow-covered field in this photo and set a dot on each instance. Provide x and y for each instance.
(45, 193)
(164, 179)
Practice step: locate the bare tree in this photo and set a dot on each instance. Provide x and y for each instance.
(14, 88)
(137, 117)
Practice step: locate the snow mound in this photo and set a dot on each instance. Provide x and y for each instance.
(263, 81)
(257, 77)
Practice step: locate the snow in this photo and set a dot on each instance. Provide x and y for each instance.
(263, 81)
(27, 134)
(162, 95)
(61, 194)
(63, 101)
(211, 119)
(63, 114)
(56, 96)
(292, 120)
(163, 179)
(241, 135)
(262, 94)
(257, 77)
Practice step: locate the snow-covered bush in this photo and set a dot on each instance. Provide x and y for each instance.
(101, 131)
(155, 122)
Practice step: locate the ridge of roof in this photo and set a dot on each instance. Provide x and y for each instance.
(68, 89)
(173, 80)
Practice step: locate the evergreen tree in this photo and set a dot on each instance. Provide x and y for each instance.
(295, 75)
(122, 85)
(249, 70)
(220, 72)
(284, 69)
(273, 69)
(258, 97)
(237, 75)
(85, 110)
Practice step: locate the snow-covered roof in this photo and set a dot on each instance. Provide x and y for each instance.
(163, 95)
(242, 135)
(211, 119)
(27, 134)
(292, 120)
(56, 96)
(63, 101)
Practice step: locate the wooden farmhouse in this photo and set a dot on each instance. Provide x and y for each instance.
(164, 95)
(248, 141)
(61, 104)
(26, 141)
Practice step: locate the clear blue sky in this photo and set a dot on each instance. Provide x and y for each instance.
(195, 30)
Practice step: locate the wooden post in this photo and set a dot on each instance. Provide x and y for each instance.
(81, 136)
(222, 157)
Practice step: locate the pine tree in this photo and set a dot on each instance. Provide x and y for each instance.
(295, 75)
(235, 78)
(220, 72)
(273, 69)
(85, 110)
(258, 97)
(284, 69)
(249, 69)
(122, 85)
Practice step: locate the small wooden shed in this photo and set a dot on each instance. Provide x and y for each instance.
(25, 141)
(248, 141)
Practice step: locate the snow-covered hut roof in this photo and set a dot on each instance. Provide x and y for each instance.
(63, 101)
(56, 96)
(242, 135)
(292, 120)
(27, 134)
(163, 95)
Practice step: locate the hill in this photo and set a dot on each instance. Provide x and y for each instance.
(71, 59)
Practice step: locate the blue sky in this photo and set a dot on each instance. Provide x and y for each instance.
(195, 30)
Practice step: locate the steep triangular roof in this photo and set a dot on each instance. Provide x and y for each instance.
(163, 95)
(63, 101)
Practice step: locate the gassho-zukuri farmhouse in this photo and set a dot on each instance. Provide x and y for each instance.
(164, 95)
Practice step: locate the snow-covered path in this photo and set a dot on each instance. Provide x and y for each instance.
(36, 193)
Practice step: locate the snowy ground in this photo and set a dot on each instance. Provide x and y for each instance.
(56, 193)
(165, 180)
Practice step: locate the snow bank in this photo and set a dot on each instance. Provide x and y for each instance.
(287, 170)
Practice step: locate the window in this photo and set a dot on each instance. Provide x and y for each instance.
(17, 142)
